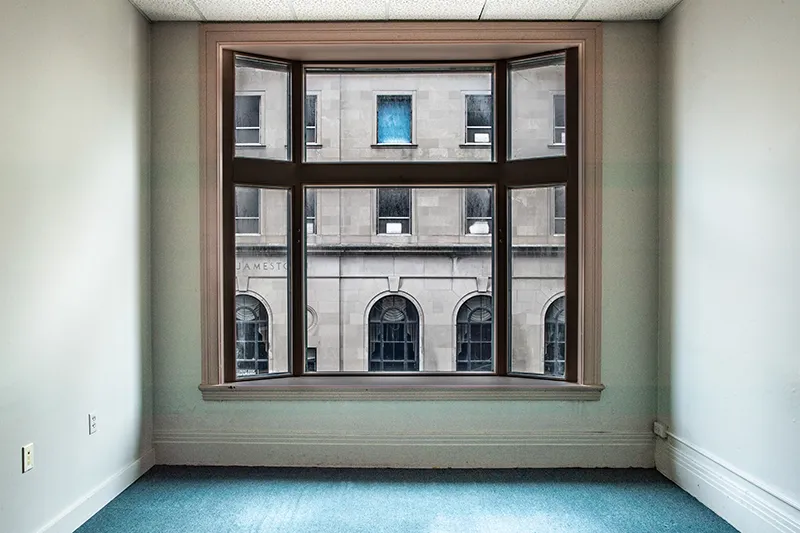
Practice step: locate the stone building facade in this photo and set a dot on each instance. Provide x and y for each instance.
(400, 279)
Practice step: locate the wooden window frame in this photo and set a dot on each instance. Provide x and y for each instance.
(438, 41)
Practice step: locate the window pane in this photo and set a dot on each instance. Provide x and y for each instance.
(478, 211)
(394, 210)
(394, 119)
(311, 118)
(533, 117)
(311, 211)
(262, 102)
(398, 302)
(538, 320)
(560, 211)
(401, 113)
(262, 335)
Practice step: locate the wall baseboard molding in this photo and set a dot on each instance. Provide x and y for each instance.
(85, 508)
(749, 506)
(496, 450)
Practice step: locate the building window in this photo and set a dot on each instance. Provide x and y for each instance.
(248, 204)
(474, 335)
(394, 211)
(393, 335)
(311, 119)
(311, 211)
(560, 211)
(555, 339)
(311, 359)
(478, 211)
(479, 118)
(559, 119)
(248, 119)
(252, 337)
(394, 119)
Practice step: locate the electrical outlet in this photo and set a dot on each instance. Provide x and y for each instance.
(92, 423)
(27, 457)
(660, 429)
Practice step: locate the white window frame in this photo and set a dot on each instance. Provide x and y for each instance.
(413, 95)
(261, 96)
(316, 94)
(466, 126)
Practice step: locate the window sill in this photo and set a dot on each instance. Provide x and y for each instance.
(313, 145)
(394, 145)
(556, 145)
(394, 388)
(475, 145)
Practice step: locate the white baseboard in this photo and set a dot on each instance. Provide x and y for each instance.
(504, 450)
(750, 506)
(81, 511)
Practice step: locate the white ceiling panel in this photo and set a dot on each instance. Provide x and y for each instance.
(435, 9)
(242, 10)
(531, 9)
(310, 10)
(167, 9)
(626, 9)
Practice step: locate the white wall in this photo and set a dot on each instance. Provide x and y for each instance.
(74, 249)
(613, 431)
(729, 367)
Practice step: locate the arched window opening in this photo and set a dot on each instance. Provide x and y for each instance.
(555, 339)
(474, 335)
(252, 337)
(393, 335)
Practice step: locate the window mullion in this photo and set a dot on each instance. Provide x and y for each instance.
(501, 246)
(297, 222)
(573, 231)
(228, 322)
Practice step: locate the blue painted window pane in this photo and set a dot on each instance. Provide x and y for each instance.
(394, 119)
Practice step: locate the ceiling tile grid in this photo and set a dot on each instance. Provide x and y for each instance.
(312, 10)
(531, 9)
(435, 9)
(626, 9)
(245, 10)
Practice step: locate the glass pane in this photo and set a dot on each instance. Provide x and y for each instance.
(560, 211)
(478, 211)
(262, 334)
(537, 89)
(386, 302)
(402, 113)
(537, 305)
(262, 102)
(394, 119)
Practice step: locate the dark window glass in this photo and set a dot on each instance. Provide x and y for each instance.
(311, 118)
(560, 211)
(393, 335)
(252, 337)
(559, 119)
(247, 207)
(474, 335)
(479, 118)
(478, 211)
(311, 359)
(555, 339)
(311, 211)
(394, 211)
(394, 119)
(247, 110)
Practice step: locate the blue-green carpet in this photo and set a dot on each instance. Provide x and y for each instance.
(285, 500)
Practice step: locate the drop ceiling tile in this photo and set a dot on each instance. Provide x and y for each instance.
(626, 9)
(531, 9)
(241, 10)
(435, 9)
(167, 9)
(340, 9)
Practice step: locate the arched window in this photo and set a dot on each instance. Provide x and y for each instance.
(252, 337)
(474, 335)
(393, 335)
(555, 339)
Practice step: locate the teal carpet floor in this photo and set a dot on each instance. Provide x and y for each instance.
(282, 500)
